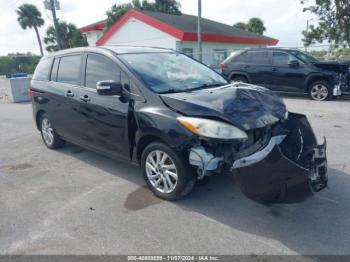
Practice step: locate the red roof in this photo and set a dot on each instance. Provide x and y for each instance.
(98, 26)
(183, 27)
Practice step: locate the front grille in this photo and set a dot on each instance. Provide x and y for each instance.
(257, 139)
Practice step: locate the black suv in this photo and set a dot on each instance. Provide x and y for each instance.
(177, 118)
(287, 70)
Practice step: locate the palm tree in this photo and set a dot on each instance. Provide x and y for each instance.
(70, 37)
(30, 16)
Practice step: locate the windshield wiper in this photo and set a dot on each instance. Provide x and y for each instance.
(205, 86)
(171, 90)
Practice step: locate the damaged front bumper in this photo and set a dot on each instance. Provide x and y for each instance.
(289, 167)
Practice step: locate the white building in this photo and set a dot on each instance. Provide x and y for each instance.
(145, 28)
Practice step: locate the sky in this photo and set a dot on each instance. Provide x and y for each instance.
(283, 19)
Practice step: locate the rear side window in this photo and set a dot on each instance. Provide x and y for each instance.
(254, 57)
(242, 58)
(259, 57)
(42, 71)
(69, 69)
(100, 68)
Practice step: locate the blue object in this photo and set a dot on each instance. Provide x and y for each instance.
(16, 75)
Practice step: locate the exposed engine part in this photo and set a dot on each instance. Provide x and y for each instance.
(337, 90)
(318, 177)
(203, 160)
(260, 155)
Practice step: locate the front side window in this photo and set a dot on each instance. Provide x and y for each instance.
(304, 57)
(42, 71)
(281, 58)
(100, 68)
(171, 72)
(69, 69)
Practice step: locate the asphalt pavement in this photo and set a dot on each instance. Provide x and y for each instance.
(73, 201)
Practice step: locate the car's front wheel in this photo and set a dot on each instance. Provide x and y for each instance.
(49, 134)
(166, 171)
(320, 91)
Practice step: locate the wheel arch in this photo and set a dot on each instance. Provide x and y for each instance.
(144, 141)
(37, 118)
(239, 73)
(314, 78)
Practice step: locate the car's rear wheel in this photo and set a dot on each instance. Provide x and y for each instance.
(320, 91)
(241, 79)
(166, 171)
(49, 134)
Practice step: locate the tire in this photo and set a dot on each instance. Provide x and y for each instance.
(157, 175)
(320, 91)
(241, 79)
(48, 133)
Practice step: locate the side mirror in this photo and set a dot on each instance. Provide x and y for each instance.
(109, 88)
(294, 63)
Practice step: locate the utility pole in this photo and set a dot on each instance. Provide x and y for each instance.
(307, 30)
(200, 55)
(53, 5)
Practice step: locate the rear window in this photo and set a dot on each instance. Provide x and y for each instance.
(233, 57)
(69, 69)
(42, 71)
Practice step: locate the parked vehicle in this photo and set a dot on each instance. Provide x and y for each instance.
(177, 118)
(288, 70)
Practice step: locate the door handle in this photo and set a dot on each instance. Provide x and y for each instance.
(69, 93)
(85, 98)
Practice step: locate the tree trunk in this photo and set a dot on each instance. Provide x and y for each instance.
(39, 40)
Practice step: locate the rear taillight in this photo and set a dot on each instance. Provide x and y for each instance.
(30, 93)
(222, 65)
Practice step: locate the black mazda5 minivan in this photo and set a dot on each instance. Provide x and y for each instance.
(178, 119)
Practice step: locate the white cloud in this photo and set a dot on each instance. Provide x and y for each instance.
(283, 19)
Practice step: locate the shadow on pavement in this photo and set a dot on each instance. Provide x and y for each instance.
(319, 225)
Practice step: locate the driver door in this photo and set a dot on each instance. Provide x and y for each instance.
(104, 118)
(285, 77)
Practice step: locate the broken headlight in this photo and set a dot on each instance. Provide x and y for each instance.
(211, 128)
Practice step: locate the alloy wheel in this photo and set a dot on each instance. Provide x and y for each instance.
(319, 92)
(47, 131)
(161, 171)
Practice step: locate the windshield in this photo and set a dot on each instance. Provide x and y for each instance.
(172, 72)
(304, 57)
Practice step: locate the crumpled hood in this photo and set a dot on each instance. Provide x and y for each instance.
(332, 66)
(243, 105)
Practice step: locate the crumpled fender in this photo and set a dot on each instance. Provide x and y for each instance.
(292, 171)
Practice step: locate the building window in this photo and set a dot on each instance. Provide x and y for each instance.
(188, 51)
(219, 55)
